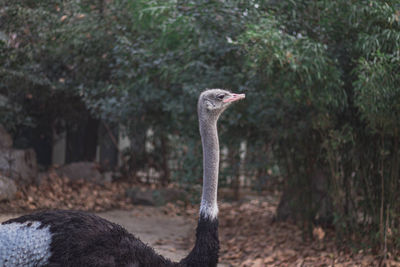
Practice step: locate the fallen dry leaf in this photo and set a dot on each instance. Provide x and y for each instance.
(318, 233)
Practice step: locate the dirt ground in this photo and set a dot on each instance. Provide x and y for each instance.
(167, 235)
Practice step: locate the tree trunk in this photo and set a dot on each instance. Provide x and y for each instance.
(165, 178)
(82, 140)
(109, 134)
(235, 163)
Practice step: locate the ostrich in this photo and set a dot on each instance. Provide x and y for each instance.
(73, 238)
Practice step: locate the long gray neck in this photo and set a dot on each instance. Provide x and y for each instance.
(209, 139)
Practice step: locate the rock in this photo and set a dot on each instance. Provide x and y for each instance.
(5, 138)
(139, 197)
(8, 188)
(88, 171)
(173, 195)
(20, 164)
(155, 197)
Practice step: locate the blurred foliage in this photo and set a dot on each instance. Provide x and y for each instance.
(322, 80)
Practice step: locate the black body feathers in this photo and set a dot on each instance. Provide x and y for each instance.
(83, 239)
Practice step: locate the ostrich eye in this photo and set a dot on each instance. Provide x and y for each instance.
(220, 96)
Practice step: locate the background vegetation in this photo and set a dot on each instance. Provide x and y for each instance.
(322, 80)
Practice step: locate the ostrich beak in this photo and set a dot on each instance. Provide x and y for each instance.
(234, 97)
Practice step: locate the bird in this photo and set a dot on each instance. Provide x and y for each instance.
(65, 238)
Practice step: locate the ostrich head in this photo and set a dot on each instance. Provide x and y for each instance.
(213, 102)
